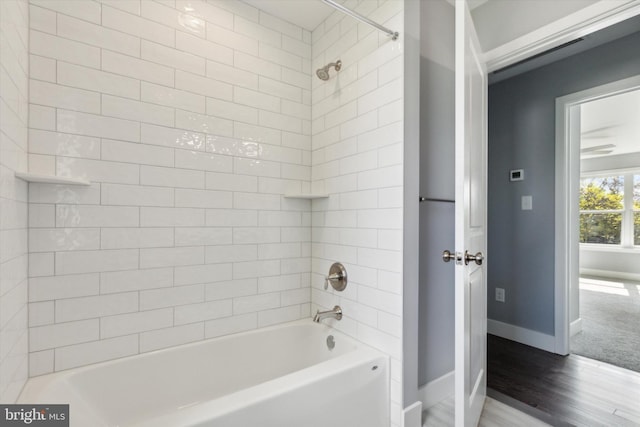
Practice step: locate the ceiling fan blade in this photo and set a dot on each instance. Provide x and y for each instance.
(597, 148)
(597, 153)
(600, 129)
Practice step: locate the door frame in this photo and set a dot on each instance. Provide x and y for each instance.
(567, 176)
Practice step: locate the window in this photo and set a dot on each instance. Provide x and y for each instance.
(610, 209)
(601, 209)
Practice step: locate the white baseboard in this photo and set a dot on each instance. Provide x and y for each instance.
(522, 335)
(575, 327)
(610, 274)
(437, 390)
(412, 415)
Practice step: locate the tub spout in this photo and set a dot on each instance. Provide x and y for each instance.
(336, 313)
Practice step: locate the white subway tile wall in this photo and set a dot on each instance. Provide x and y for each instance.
(191, 119)
(357, 146)
(190, 131)
(14, 107)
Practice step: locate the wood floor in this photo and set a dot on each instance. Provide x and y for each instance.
(573, 390)
(494, 414)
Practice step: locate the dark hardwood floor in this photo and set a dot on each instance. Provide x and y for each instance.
(565, 390)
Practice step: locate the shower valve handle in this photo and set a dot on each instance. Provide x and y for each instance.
(331, 278)
(337, 277)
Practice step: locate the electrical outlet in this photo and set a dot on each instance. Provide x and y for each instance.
(500, 294)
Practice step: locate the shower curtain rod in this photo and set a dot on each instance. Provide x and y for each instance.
(394, 34)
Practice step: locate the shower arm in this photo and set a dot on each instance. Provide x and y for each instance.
(394, 34)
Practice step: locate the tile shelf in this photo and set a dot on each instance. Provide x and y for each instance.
(51, 179)
(306, 196)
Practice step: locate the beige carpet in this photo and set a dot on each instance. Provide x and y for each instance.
(610, 312)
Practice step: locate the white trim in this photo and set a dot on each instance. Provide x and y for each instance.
(607, 172)
(575, 327)
(521, 335)
(437, 390)
(566, 198)
(608, 274)
(567, 167)
(581, 23)
(594, 247)
(412, 415)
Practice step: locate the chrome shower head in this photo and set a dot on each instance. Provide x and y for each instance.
(323, 73)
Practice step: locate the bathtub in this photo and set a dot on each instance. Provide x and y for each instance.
(282, 376)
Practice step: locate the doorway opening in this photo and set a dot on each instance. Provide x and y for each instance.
(604, 292)
(550, 382)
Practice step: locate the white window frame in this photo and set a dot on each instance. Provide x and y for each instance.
(626, 228)
(632, 210)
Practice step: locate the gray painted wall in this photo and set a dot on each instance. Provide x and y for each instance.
(437, 322)
(437, 126)
(411, 262)
(522, 136)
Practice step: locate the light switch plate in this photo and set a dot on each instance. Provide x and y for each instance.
(527, 203)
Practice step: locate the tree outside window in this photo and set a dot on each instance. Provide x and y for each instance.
(608, 216)
(601, 207)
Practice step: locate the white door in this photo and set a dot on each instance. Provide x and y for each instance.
(470, 222)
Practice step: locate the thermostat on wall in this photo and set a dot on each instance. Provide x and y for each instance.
(516, 175)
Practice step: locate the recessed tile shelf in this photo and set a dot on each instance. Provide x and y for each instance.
(306, 196)
(51, 179)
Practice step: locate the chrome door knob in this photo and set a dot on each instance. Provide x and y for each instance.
(448, 256)
(477, 258)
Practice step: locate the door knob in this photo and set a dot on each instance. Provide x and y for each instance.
(449, 256)
(477, 258)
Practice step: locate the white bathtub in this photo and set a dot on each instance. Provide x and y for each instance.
(283, 376)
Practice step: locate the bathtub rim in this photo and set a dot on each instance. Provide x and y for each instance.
(306, 321)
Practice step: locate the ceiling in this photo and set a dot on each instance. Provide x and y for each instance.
(610, 126)
(307, 14)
